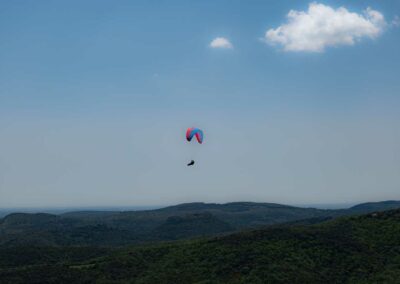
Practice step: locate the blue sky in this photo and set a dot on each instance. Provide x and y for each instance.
(95, 97)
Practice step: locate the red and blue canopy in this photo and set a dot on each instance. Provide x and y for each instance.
(192, 131)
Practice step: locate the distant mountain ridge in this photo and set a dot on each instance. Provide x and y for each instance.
(371, 206)
(170, 223)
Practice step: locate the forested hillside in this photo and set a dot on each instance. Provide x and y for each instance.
(182, 221)
(359, 249)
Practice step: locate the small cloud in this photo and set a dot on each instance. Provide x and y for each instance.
(323, 26)
(396, 21)
(221, 42)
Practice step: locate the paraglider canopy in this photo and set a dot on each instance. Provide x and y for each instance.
(192, 131)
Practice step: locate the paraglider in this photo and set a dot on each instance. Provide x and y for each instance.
(194, 132)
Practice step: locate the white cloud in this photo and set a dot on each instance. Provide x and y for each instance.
(396, 21)
(323, 26)
(221, 42)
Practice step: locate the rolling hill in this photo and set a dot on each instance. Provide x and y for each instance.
(182, 221)
(356, 249)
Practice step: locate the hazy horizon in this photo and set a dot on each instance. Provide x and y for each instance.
(95, 98)
(61, 209)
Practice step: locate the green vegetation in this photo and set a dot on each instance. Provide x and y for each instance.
(171, 223)
(358, 249)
